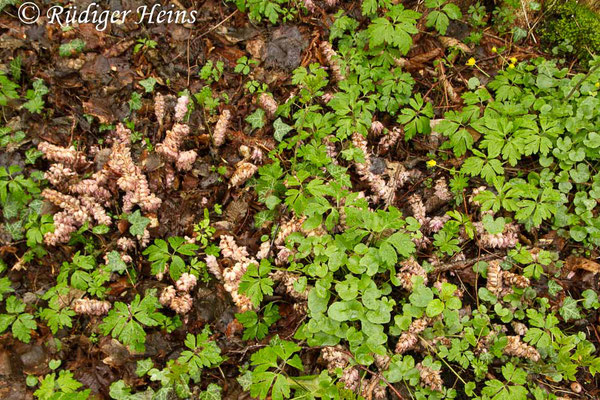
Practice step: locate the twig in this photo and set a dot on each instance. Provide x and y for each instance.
(466, 263)
(217, 25)
(576, 87)
(378, 375)
(527, 21)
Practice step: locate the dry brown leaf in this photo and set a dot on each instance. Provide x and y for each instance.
(99, 108)
(118, 48)
(573, 263)
(447, 41)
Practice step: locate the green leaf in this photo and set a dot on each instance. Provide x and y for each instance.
(148, 84)
(590, 299)
(452, 10)
(54, 364)
(70, 48)
(345, 311)
(281, 388)
(581, 173)
(435, 307)
(493, 226)
(119, 390)
(143, 366)
(100, 229)
(261, 384)
(23, 326)
(569, 309)
(369, 7)
(202, 353)
(115, 263)
(5, 321)
(593, 140)
(14, 305)
(281, 129)
(439, 20)
(421, 295)
(138, 223)
(123, 321)
(256, 119)
(348, 289)
(255, 282)
(578, 233)
(403, 244)
(135, 103)
(35, 105)
(5, 287)
(212, 392)
(396, 32)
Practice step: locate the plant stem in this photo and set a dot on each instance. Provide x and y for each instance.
(576, 87)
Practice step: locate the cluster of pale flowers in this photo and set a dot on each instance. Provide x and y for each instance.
(178, 297)
(84, 200)
(170, 147)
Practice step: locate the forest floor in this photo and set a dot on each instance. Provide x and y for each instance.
(314, 209)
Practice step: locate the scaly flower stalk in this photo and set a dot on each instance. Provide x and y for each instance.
(178, 301)
(378, 185)
(131, 179)
(505, 240)
(186, 282)
(67, 156)
(429, 377)
(264, 251)
(409, 339)
(388, 141)
(409, 269)
(494, 277)
(377, 127)
(159, 108)
(182, 303)
(287, 228)
(230, 249)
(287, 281)
(516, 280)
(91, 307)
(418, 208)
(331, 59)
(244, 171)
(515, 347)
(335, 357)
(268, 103)
(181, 108)
(213, 266)
(221, 128)
(58, 174)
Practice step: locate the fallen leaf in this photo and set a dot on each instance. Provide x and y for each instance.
(99, 108)
(573, 263)
(447, 41)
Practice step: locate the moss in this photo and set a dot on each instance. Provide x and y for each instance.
(574, 24)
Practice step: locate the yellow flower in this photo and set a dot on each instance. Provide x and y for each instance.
(471, 62)
(597, 84)
(511, 66)
(513, 60)
(494, 49)
(431, 163)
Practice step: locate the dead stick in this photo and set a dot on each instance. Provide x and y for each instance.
(466, 263)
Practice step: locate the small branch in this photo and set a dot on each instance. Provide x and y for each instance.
(527, 21)
(217, 25)
(576, 87)
(466, 263)
(377, 376)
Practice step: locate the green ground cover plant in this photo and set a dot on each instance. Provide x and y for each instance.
(402, 214)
